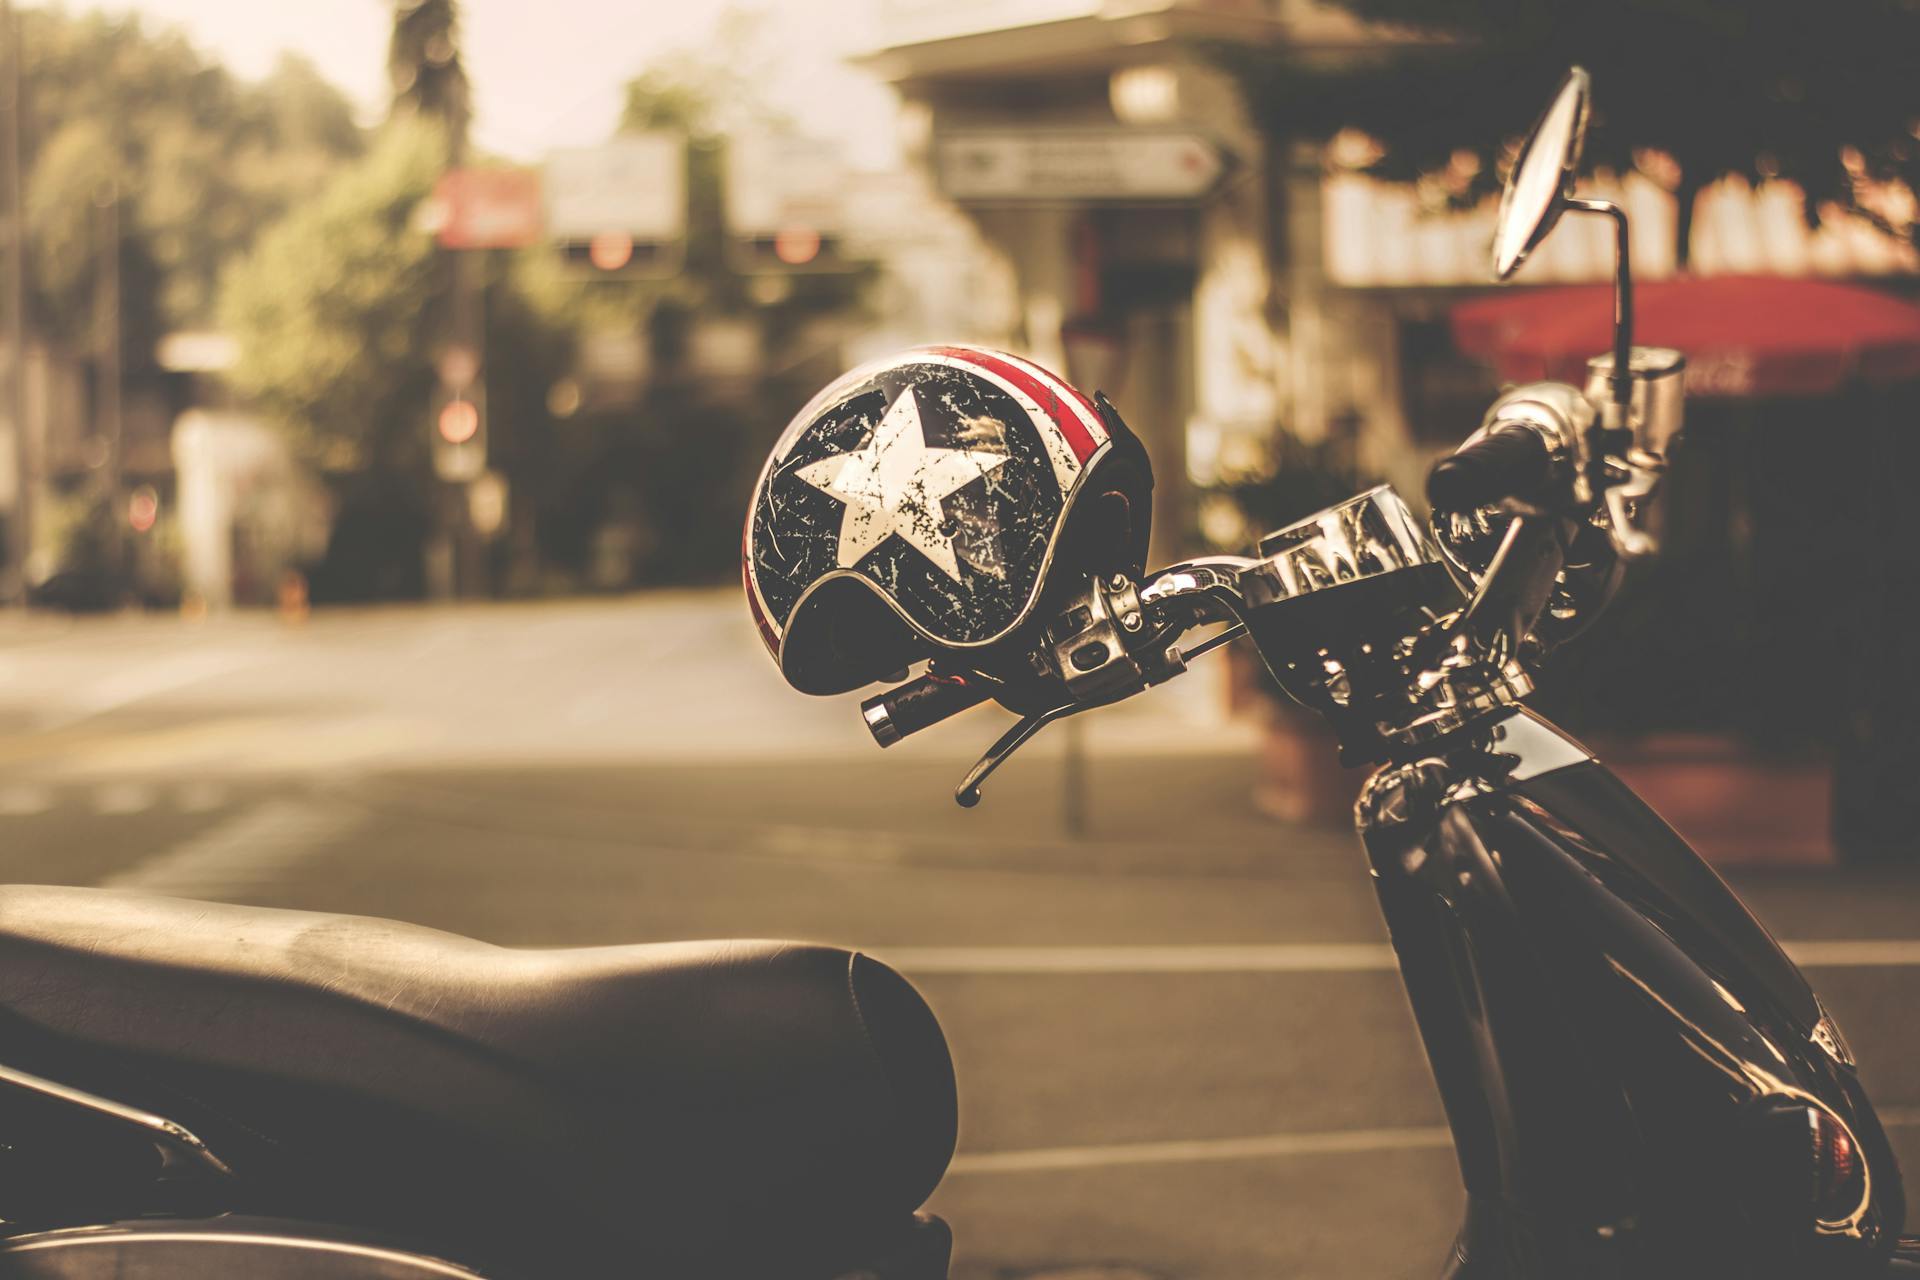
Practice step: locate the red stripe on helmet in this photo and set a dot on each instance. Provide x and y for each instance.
(1079, 438)
(768, 636)
(1095, 423)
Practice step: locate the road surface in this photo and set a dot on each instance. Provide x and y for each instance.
(1182, 1049)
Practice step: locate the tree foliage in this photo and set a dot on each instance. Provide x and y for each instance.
(425, 70)
(327, 307)
(678, 466)
(196, 160)
(1825, 95)
(705, 95)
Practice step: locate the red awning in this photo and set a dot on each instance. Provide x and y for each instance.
(1742, 335)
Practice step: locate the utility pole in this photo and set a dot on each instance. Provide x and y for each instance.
(106, 300)
(20, 527)
(466, 332)
(423, 64)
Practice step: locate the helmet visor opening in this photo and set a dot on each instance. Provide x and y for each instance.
(843, 636)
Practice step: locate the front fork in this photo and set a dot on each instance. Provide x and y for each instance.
(1638, 1080)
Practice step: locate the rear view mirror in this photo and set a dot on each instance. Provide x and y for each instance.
(1542, 177)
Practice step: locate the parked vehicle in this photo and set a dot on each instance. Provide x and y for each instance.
(1638, 1080)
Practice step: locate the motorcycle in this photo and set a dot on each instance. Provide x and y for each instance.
(1639, 1082)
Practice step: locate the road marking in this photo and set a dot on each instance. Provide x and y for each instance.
(1327, 957)
(201, 797)
(1288, 957)
(1888, 953)
(1262, 1147)
(1266, 1146)
(127, 685)
(840, 846)
(247, 851)
(117, 799)
(23, 800)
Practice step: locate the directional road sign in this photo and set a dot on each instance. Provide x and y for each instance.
(635, 185)
(1066, 165)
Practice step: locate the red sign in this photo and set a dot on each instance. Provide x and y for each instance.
(489, 208)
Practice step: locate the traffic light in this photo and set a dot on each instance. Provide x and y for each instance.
(143, 508)
(616, 255)
(620, 209)
(798, 248)
(459, 432)
(786, 200)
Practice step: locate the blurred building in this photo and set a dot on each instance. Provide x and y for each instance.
(244, 510)
(1114, 173)
(1277, 287)
(82, 447)
(1393, 261)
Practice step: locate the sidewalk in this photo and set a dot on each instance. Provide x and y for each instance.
(668, 677)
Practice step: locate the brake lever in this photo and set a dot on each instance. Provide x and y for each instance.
(967, 794)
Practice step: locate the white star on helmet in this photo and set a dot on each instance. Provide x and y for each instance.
(895, 484)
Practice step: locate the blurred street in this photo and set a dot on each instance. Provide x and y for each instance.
(1182, 1048)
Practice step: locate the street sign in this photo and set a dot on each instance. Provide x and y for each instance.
(786, 201)
(635, 185)
(776, 182)
(488, 208)
(1056, 165)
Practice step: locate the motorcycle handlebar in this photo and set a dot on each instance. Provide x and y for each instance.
(920, 703)
(1508, 462)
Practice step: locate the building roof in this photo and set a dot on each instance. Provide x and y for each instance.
(990, 39)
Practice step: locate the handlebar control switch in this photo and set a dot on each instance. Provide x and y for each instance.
(1089, 642)
(1637, 458)
(1658, 408)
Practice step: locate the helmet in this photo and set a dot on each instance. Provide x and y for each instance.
(920, 506)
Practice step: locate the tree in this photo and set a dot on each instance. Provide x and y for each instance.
(196, 161)
(1824, 95)
(680, 465)
(326, 309)
(705, 95)
(424, 68)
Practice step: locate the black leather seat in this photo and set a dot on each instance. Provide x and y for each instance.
(706, 1107)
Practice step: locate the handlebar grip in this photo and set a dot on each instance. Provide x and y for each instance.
(1508, 462)
(921, 702)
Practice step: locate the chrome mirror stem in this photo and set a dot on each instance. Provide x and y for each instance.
(1622, 303)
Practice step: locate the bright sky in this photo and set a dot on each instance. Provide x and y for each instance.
(548, 73)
